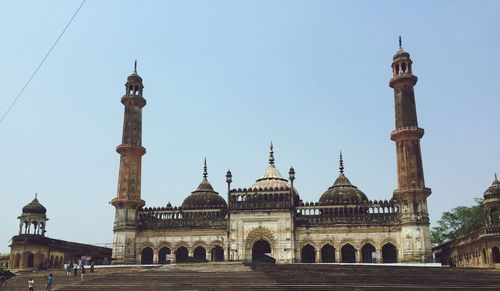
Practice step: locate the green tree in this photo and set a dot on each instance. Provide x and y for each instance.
(5, 274)
(459, 221)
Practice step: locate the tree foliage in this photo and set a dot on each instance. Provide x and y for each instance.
(459, 221)
(5, 274)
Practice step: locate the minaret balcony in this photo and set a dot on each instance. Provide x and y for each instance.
(130, 149)
(403, 78)
(407, 133)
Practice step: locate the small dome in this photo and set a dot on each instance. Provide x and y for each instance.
(204, 196)
(342, 190)
(494, 190)
(34, 207)
(134, 77)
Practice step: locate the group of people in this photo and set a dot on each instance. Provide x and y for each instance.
(71, 269)
(31, 283)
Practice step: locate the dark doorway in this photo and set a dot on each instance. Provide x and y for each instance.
(389, 253)
(217, 254)
(30, 263)
(259, 250)
(328, 254)
(496, 254)
(147, 256)
(348, 254)
(366, 253)
(162, 255)
(308, 254)
(200, 254)
(181, 254)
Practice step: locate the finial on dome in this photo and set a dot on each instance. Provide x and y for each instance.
(271, 155)
(37, 193)
(400, 43)
(205, 172)
(341, 164)
(496, 176)
(135, 67)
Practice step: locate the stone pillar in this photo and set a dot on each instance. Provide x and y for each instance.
(155, 257)
(318, 256)
(338, 259)
(358, 256)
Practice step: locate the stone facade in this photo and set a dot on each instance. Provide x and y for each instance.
(31, 249)
(268, 221)
(480, 248)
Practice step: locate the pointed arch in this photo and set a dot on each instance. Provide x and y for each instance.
(389, 253)
(257, 234)
(328, 253)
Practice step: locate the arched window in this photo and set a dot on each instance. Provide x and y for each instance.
(147, 256)
(328, 254)
(181, 254)
(348, 254)
(366, 253)
(200, 254)
(308, 254)
(217, 254)
(389, 253)
(162, 255)
(495, 254)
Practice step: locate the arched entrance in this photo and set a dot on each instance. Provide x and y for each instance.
(200, 254)
(259, 250)
(17, 260)
(30, 262)
(162, 255)
(147, 256)
(181, 254)
(308, 254)
(348, 254)
(366, 253)
(328, 254)
(217, 254)
(389, 253)
(495, 254)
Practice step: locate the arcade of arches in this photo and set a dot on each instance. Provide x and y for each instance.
(180, 254)
(347, 254)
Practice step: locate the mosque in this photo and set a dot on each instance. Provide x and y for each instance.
(268, 221)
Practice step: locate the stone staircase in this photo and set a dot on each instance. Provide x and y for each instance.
(237, 276)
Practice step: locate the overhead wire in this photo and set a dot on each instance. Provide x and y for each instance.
(41, 63)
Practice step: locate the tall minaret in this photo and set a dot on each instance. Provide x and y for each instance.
(128, 198)
(411, 193)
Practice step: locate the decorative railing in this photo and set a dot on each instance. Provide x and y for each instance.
(371, 212)
(177, 217)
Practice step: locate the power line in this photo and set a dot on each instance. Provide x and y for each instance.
(41, 63)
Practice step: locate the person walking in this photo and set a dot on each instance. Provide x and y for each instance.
(49, 282)
(92, 267)
(69, 267)
(75, 269)
(31, 283)
(83, 274)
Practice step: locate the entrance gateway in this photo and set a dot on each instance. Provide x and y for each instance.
(260, 251)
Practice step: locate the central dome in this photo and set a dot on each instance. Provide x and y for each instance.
(342, 190)
(272, 178)
(204, 196)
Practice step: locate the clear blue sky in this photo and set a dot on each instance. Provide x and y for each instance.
(224, 78)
